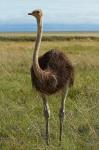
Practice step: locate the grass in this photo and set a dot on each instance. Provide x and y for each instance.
(21, 111)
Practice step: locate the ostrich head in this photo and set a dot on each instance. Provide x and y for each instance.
(36, 13)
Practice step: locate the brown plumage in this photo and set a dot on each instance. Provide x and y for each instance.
(57, 64)
(50, 73)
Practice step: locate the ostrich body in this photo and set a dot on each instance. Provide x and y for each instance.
(56, 64)
(50, 73)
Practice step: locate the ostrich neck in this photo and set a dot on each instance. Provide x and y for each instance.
(38, 38)
(37, 70)
(39, 73)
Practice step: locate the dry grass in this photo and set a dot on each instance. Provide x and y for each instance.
(21, 115)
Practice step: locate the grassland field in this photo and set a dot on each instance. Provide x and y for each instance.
(21, 109)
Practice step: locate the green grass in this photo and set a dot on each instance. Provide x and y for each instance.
(21, 109)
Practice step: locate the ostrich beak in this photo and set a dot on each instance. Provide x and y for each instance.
(29, 13)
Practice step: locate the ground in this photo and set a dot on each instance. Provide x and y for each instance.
(21, 109)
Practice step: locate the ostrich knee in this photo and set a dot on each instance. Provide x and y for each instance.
(61, 114)
(61, 118)
(46, 112)
(47, 116)
(62, 109)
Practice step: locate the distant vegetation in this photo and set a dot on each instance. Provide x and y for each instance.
(50, 36)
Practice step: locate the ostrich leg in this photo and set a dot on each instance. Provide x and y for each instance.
(47, 116)
(62, 109)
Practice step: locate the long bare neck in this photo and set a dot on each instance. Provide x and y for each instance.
(38, 38)
(39, 73)
(37, 70)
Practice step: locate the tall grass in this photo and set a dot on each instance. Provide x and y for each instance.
(21, 113)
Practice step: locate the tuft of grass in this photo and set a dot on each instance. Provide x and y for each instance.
(21, 109)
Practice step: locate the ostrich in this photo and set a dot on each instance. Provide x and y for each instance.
(50, 73)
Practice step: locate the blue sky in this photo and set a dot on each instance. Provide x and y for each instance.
(55, 11)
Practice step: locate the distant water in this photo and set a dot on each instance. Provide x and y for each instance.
(48, 27)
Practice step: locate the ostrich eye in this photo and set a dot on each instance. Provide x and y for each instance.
(37, 11)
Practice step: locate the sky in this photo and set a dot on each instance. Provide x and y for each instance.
(55, 11)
